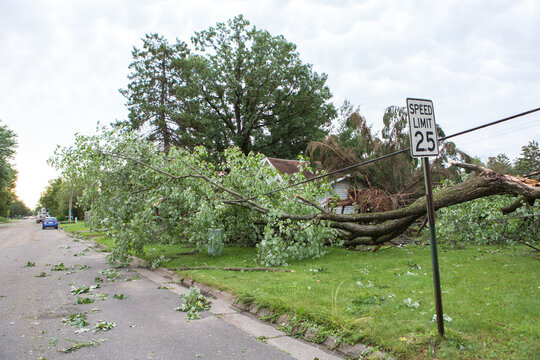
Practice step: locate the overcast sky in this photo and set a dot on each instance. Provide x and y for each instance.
(62, 62)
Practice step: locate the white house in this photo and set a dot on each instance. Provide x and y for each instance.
(339, 185)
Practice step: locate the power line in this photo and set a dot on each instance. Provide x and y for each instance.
(394, 153)
(491, 124)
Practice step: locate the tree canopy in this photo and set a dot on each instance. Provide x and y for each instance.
(19, 209)
(257, 92)
(8, 175)
(151, 94)
(239, 86)
(57, 196)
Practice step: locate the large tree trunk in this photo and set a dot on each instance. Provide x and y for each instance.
(377, 228)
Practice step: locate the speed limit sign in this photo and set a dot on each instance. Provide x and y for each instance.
(422, 128)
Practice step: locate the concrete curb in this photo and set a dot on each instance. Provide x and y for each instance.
(247, 318)
(223, 307)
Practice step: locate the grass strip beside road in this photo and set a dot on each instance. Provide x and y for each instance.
(385, 299)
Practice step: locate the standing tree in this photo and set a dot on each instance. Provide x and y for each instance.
(500, 164)
(529, 161)
(56, 198)
(153, 104)
(19, 209)
(8, 175)
(256, 93)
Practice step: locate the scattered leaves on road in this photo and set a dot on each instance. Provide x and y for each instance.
(104, 326)
(76, 345)
(76, 320)
(132, 278)
(59, 267)
(83, 300)
(111, 274)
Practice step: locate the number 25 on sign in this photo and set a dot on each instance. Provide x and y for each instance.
(423, 130)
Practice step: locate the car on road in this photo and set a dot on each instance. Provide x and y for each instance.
(49, 222)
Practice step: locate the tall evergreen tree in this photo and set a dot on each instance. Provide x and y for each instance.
(529, 161)
(152, 100)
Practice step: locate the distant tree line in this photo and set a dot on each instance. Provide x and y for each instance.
(57, 196)
(8, 175)
(527, 164)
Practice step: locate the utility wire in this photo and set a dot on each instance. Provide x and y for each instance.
(490, 124)
(394, 153)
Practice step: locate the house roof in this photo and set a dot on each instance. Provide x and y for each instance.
(289, 166)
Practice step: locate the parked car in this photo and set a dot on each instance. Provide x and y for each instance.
(41, 215)
(49, 222)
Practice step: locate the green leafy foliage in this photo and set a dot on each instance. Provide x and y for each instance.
(82, 300)
(59, 267)
(481, 222)
(193, 303)
(126, 180)
(254, 91)
(132, 278)
(104, 326)
(83, 289)
(529, 161)
(155, 81)
(57, 196)
(19, 209)
(76, 345)
(111, 274)
(76, 320)
(8, 175)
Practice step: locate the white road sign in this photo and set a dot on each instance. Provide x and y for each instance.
(422, 128)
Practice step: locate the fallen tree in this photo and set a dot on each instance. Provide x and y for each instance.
(144, 197)
(379, 227)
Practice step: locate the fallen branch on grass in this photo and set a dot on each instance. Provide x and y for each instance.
(232, 268)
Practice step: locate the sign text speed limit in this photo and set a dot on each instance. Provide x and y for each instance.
(422, 128)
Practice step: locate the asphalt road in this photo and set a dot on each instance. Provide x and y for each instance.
(34, 300)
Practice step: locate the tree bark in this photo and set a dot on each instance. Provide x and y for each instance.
(377, 228)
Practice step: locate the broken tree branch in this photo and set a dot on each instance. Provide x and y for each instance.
(231, 269)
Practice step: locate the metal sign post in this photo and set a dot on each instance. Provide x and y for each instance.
(424, 143)
(433, 243)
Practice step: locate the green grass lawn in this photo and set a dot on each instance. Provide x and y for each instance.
(491, 296)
